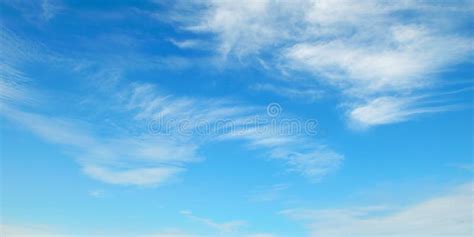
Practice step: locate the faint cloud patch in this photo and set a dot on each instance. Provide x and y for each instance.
(463, 166)
(224, 227)
(97, 193)
(269, 193)
(445, 215)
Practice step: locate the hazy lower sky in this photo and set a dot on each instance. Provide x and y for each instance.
(236, 118)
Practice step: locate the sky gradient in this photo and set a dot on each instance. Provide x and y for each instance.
(236, 118)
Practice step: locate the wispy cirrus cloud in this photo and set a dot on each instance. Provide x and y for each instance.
(367, 50)
(131, 147)
(149, 157)
(15, 230)
(386, 110)
(11, 86)
(270, 193)
(224, 227)
(119, 158)
(112, 160)
(227, 228)
(306, 94)
(445, 215)
(190, 44)
(135, 176)
(37, 11)
(201, 121)
(170, 233)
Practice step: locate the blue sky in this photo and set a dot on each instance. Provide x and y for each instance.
(236, 118)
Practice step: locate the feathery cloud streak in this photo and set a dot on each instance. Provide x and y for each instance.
(368, 50)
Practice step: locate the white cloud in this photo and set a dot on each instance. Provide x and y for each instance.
(132, 160)
(173, 130)
(135, 176)
(268, 194)
(469, 167)
(365, 49)
(9, 230)
(211, 120)
(189, 44)
(447, 215)
(49, 9)
(307, 94)
(385, 110)
(313, 164)
(238, 26)
(381, 111)
(96, 193)
(11, 91)
(170, 233)
(224, 227)
(260, 235)
(228, 228)
(181, 233)
(55, 130)
(154, 134)
(37, 12)
(402, 62)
